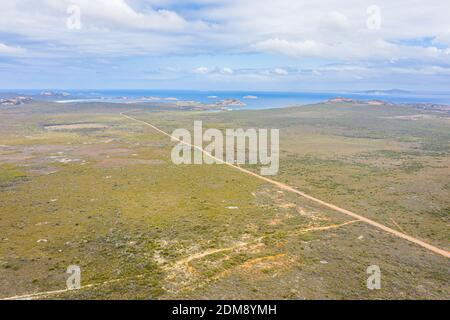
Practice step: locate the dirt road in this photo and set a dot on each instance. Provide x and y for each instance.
(283, 186)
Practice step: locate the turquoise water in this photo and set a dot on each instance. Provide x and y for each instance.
(252, 99)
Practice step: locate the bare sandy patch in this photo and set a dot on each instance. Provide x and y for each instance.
(414, 117)
(42, 171)
(100, 151)
(117, 162)
(75, 126)
(287, 205)
(14, 157)
(274, 222)
(264, 262)
(34, 153)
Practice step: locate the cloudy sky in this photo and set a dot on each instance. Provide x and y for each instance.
(290, 45)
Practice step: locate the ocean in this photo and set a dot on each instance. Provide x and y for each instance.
(252, 99)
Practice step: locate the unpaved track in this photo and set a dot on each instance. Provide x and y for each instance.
(283, 186)
(176, 264)
(46, 294)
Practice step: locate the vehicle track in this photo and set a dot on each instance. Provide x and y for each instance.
(169, 267)
(286, 187)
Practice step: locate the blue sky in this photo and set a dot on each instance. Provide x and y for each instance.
(290, 45)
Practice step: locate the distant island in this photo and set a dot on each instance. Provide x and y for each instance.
(218, 105)
(15, 101)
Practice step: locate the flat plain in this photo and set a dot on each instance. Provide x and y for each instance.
(82, 185)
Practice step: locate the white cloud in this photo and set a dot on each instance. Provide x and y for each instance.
(201, 70)
(226, 70)
(307, 28)
(320, 36)
(280, 72)
(10, 51)
(360, 49)
(118, 13)
(109, 27)
(292, 48)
